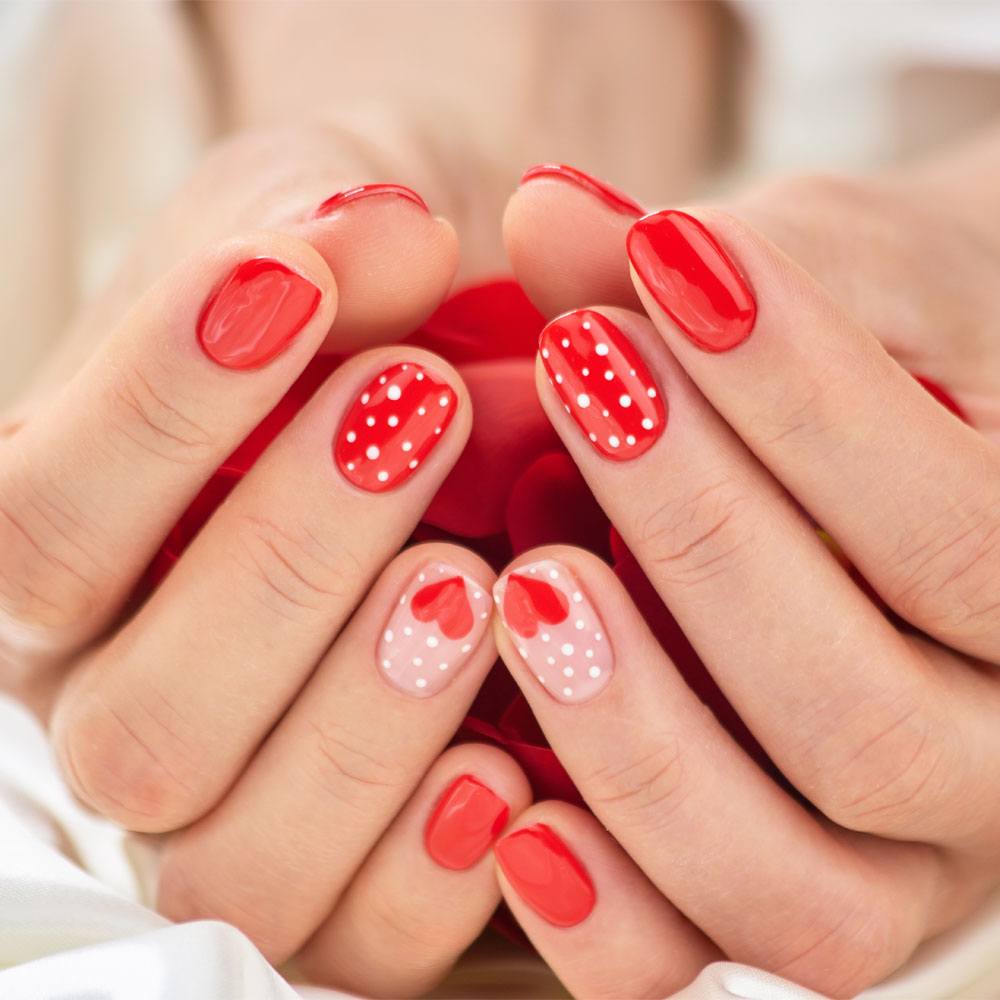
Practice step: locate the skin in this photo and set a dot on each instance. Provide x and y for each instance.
(888, 728)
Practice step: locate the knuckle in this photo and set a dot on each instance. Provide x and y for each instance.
(349, 766)
(295, 573)
(116, 766)
(150, 414)
(945, 573)
(646, 789)
(708, 534)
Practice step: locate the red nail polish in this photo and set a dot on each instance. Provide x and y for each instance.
(546, 875)
(255, 314)
(692, 279)
(942, 396)
(611, 196)
(465, 822)
(343, 198)
(603, 383)
(392, 427)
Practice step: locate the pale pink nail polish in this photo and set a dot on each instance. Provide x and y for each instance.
(558, 632)
(433, 629)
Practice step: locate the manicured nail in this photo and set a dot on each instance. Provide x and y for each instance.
(393, 426)
(342, 198)
(603, 384)
(558, 633)
(466, 821)
(546, 875)
(255, 314)
(611, 196)
(436, 623)
(692, 279)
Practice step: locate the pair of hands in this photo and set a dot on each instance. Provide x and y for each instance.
(240, 705)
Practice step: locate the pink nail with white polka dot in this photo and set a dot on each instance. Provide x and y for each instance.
(603, 383)
(556, 630)
(392, 427)
(433, 629)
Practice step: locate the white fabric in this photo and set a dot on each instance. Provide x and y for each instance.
(74, 891)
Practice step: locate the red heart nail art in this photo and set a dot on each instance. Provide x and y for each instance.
(447, 603)
(526, 602)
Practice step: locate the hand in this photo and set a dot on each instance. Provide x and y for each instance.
(754, 403)
(251, 700)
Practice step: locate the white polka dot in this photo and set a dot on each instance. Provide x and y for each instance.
(389, 635)
(413, 463)
(605, 413)
(442, 666)
(407, 630)
(422, 577)
(585, 372)
(405, 367)
(566, 649)
(631, 372)
(382, 380)
(559, 380)
(564, 342)
(608, 375)
(387, 664)
(393, 420)
(594, 672)
(383, 476)
(372, 451)
(467, 647)
(350, 466)
(568, 671)
(647, 424)
(417, 661)
(613, 441)
(421, 682)
(432, 641)
(651, 393)
(351, 437)
(630, 439)
(443, 401)
(546, 637)
(602, 349)
(592, 436)
(589, 654)
(421, 411)
(580, 623)
(541, 679)
(437, 430)
(545, 352)
(420, 376)
(568, 692)
(364, 398)
(485, 614)
(407, 446)
(577, 596)
(583, 401)
(522, 652)
(370, 421)
(625, 400)
(394, 392)
(598, 636)
(554, 573)
(550, 660)
(477, 595)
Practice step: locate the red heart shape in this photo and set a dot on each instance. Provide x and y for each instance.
(447, 603)
(526, 602)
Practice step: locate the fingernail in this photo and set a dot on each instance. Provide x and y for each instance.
(466, 821)
(558, 633)
(342, 198)
(692, 279)
(436, 623)
(255, 314)
(611, 196)
(603, 383)
(546, 875)
(393, 426)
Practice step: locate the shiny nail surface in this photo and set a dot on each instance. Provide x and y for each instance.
(692, 279)
(603, 383)
(342, 198)
(434, 627)
(546, 875)
(393, 426)
(556, 629)
(255, 314)
(611, 196)
(466, 821)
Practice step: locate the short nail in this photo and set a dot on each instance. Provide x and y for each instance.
(466, 821)
(393, 426)
(692, 279)
(603, 384)
(435, 625)
(558, 632)
(611, 196)
(255, 314)
(342, 198)
(546, 875)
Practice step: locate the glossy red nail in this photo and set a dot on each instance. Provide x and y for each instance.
(466, 821)
(255, 314)
(603, 383)
(692, 279)
(546, 875)
(611, 196)
(342, 198)
(393, 426)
